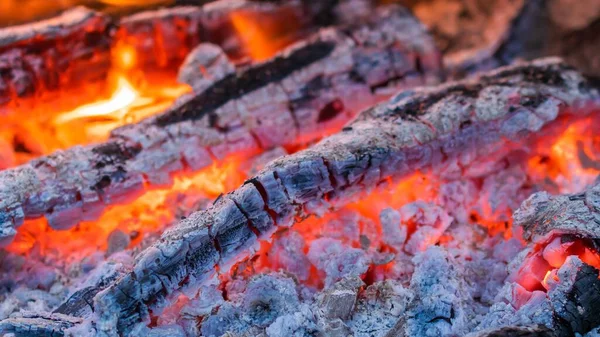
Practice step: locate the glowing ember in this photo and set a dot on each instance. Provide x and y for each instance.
(539, 270)
(148, 213)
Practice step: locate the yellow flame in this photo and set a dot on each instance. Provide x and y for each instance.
(123, 96)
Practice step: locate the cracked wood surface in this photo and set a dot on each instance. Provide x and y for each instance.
(422, 129)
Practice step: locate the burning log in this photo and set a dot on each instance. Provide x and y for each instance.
(36, 60)
(294, 97)
(425, 129)
(65, 51)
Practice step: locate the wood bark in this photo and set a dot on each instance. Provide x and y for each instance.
(422, 129)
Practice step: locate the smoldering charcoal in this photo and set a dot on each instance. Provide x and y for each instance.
(299, 168)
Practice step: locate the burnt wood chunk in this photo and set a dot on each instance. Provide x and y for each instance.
(412, 131)
(204, 65)
(517, 331)
(274, 103)
(64, 51)
(576, 301)
(31, 324)
(543, 215)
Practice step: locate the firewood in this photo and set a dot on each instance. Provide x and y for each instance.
(67, 50)
(424, 129)
(313, 85)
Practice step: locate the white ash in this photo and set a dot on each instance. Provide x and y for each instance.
(445, 290)
(431, 221)
(287, 254)
(337, 261)
(379, 307)
(266, 298)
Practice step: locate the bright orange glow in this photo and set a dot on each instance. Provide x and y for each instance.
(540, 269)
(265, 34)
(572, 162)
(148, 213)
(550, 277)
(124, 56)
(114, 107)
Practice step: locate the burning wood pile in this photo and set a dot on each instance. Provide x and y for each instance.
(299, 168)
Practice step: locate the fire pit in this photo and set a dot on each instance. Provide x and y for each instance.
(293, 168)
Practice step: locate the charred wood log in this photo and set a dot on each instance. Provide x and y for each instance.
(526, 331)
(164, 37)
(38, 325)
(64, 51)
(313, 85)
(422, 129)
(75, 47)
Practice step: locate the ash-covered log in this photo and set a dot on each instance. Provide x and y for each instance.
(294, 97)
(426, 129)
(65, 51)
